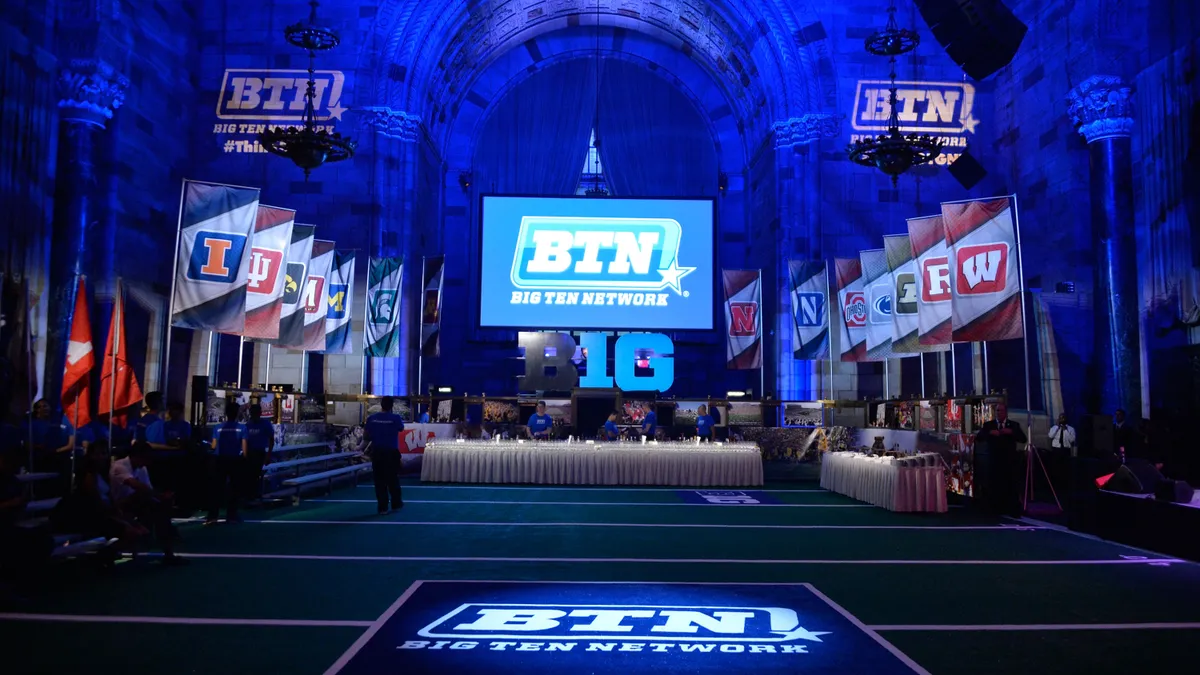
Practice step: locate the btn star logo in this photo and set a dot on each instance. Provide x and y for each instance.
(969, 123)
(336, 110)
(671, 275)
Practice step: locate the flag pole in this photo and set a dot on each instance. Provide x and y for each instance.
(762, 361)
(829, 327)
(75, 425)
(30, 360)
(985, 363)
(115, 328)
(922, 357)
(421, 329)
(953, 372)
(241, 354)
(1024, 329)
(171, 303)
(886, 383)
(267, 377)
(208, 358)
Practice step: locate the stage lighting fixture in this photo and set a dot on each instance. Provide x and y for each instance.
(464, 180)
(445, 390)
(735, 394)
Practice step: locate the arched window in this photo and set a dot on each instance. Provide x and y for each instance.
(592, 179)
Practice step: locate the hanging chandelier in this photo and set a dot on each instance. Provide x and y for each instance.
(893, 152)
(596, 190)
(306, 146)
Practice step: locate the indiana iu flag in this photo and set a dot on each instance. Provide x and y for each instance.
(877, 284)
(381, 327)
(743, 335)
(81, 358)
(213, 261)
(315, 296)
(986, 282)
(928, 239)
(431, 312)
(339, 292)
(295, 279)
(810, 309)
(852, 304)
(268, 260)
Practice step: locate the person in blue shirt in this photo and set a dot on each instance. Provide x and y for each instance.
(540, 424)
(176, 431)
(649, 421)
(704, 423)
(424, 419)
(229, 445)
(260, 441)
(611, 432)
(382, 434)
(149, 427)
(53, 444)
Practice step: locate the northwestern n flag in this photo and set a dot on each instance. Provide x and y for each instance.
(810, 309)
(431, 306)
(986, 282)
(339, 292)
(295, 280)
(928, 239)
(213, 261)
(315, 298)
(743, 323)
(381, 325)
(268, 260)
(877, 284)
(905, 294)
(852, 305)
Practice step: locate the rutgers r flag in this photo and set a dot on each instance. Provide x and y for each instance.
(984, 277)
(743, 298)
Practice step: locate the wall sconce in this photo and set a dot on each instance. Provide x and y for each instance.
(464, 180)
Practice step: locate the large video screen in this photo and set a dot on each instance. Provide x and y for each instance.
(596, 263)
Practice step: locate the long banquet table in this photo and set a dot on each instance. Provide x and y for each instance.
(915, 483)
(674, 463)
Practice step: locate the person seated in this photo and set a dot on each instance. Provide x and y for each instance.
(90, 511)
(610, 431)
(135, 498)
(53, 443)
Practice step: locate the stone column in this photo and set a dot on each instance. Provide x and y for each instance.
(90, 91)
(1101, 110)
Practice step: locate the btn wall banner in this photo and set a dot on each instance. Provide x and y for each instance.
(212, 262)
(381, 328)
(268, 253)
(986, 281)
(295, 275)
(905, 292)
(928, 239)
(852, 301)
(743, 323)
(251, 100)
(810, 309)
(944, 110)
(431, 308)
(877, 284)
(315, 298)
(339, 292)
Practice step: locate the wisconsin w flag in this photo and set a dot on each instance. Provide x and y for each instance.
(986, 303)
(81, 358)
(315, 298)
(431, 312)
(810, 309)
(295, 280)
(852, 301)
(268, 260)
(928, 239)
(903, 268)
(743, 335)
(381, 328)
(213, 261)
(340, 291)
(877, 284)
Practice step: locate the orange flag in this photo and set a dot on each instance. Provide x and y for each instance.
(118, 385)
(81, 358)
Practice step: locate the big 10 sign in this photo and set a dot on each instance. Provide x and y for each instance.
(544, 351)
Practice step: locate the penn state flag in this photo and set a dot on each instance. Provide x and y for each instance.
(852, 303)
(743, 336)
(877, 284)
(339, 293)
(810, 309)
(905, 291)
(295, 280)
(268, 254)
(381, 327)
(985, 279)
(315, 298)
(431, 312)
(928, 239)
(212, 261)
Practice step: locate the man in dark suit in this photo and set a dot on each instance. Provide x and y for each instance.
(998, 447)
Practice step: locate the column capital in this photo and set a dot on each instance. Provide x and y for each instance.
(1101, 107)
(89, 91)
(393, 123)
(806, 128)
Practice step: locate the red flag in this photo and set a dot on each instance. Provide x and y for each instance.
(80, 361)
(115, 398)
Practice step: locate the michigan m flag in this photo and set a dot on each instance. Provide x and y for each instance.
(928, 239)
(984, 276)
(268, 263)
(339, 292)
(213, 262)
(852, 305)
(314, 299)
(431, 309)
(381, 327)
(743, 323)
(810, 309)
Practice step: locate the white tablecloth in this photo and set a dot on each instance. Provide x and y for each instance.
(916, 483)
(685, 464)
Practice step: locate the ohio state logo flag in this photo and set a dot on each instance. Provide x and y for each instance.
(268, 260)
(852, 305)
(928, 239)
(984, 276)
(743, 335)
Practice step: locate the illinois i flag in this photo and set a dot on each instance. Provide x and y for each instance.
(431, 312)
(810, 309)
(212, 263)
(743, 339)
(986, 283)
(268, 255)
(852, 303)
(295, 276)
(877, 284)
(339, 291)
(314, 296)
(903, 268)
(928, 239)
(81, 358)
(381, 328)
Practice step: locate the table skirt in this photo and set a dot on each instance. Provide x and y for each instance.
(883, 482)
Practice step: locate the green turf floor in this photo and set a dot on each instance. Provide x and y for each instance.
(335, 561)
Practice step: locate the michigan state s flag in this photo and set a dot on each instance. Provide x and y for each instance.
(212, 263)
(381, 329)
(852, 304)
(268, 260)
(986, 297)
(431, 312)
(810, 309)
(928, 239)
(743, 335)
(340, 291)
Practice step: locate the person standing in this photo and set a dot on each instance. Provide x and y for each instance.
(148, 428)
(704, 423)
(260, 442)
(1062, 435)
(229, 445)
(998, 440)
(649, 421)
(382, 434)
(177, 431)
(611, 432)
(540, 424)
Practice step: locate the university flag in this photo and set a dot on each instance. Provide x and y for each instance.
(877, 285)
(986, 298)
(381, 326)
(743, 324)
(431, 312)
(81, 358)
(903, 268)
(810, 309)
(315, 298)
(852, 300)
(212, 263)
(291, 315)
(928, 239)
(339, 292)
(119, 388)
(268, 256)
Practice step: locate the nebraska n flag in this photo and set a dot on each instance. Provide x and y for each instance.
(81, 358)
(928, 239)
(295, 276)
(852, 304)
(431, 312)
(986, 283)
(903, 268)
(339, 292)
(810, 309)
(877, 284)
(743, 336)
(315, 298)
(268, 259)
(381, 327)
(213, 261)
